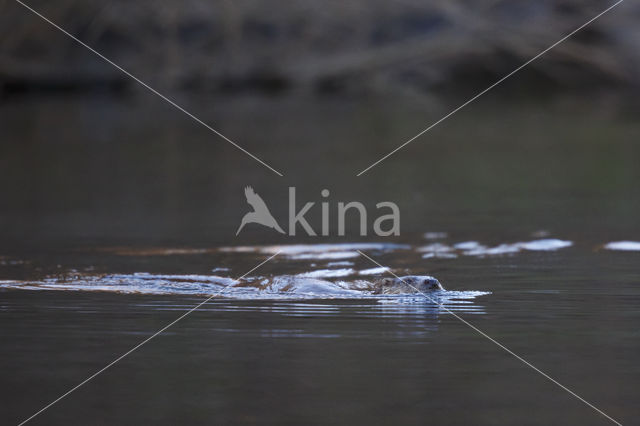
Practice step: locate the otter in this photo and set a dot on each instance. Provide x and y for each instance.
(408, 284)
(288, 283)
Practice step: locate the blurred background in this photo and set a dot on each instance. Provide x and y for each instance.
(318, 90)
(282, 46)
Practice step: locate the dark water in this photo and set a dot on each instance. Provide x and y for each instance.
(572, 312)
(93, 198)
(135, 171)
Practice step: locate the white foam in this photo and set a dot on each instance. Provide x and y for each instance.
(435, 235)
(623, 245)
(341, 263)
(327, 273)
(191, 277)
(435, 248)
(327, 255)
(493, 251)
(439, 255)
(535, 245)
(373, 271)
(468, 245)
(548, 244)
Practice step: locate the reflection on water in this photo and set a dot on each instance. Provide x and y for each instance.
(415, 316)
(142, 174)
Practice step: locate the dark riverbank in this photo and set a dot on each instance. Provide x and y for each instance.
(362, 46)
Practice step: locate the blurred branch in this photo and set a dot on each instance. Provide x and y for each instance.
(196, 43)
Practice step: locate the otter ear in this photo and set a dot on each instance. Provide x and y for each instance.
(433, 284)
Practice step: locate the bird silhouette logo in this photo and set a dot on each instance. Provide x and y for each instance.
(260, 213)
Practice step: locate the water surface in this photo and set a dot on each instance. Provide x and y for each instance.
(295, 358)
(111, 228)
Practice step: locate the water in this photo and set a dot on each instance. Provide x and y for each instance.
(302, 358)
(141, 175)
(112, 228)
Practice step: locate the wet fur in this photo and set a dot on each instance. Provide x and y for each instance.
(402, 285)
(408, 284)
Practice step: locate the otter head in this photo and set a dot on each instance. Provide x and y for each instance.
(408, 284)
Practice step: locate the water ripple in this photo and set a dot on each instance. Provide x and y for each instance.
(289, 288)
